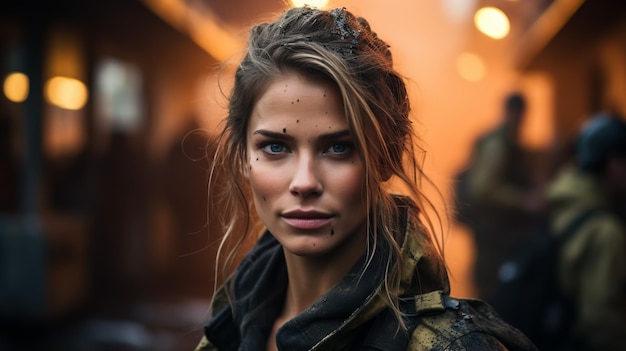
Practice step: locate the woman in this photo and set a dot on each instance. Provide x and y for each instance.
(318, 124)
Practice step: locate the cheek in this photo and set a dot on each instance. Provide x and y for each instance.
(351, 184)
(265, 182)
(357, 190)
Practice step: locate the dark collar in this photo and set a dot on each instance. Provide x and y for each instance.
(259, 286)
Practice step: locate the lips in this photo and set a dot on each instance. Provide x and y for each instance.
(307, 220)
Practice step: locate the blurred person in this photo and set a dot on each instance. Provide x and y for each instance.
(318, 122)
(592, 262)
(502, 201)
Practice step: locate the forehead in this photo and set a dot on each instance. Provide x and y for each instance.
(295, 84)
(294, 95)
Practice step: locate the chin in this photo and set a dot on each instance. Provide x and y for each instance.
(310, 247)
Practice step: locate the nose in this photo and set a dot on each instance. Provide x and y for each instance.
(305, 182)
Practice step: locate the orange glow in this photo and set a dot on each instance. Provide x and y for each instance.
(538, 128)
(64, 132)
(67, 93)
(470, 67)
(492, 22)
(16, 87)
(222, 43)
(313, 3)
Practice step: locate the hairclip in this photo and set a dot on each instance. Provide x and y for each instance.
(345, 31)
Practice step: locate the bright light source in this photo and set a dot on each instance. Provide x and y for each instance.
(470, 67)
(312, 3)
(492, 22)
(67, 93)
(16, 87)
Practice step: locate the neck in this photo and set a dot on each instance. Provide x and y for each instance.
(311, 277)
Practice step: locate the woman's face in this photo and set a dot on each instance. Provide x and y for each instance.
(306, 176)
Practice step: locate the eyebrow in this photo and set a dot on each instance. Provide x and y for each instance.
(283, 136)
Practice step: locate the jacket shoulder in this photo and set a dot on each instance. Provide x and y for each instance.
(464, 324)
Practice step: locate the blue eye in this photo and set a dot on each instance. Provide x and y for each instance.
(274, 148)
(339, 148)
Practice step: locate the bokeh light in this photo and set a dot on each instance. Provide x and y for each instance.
(67, 93)
(470, 67)
(320, 4)
(492, 22)
(16, 87)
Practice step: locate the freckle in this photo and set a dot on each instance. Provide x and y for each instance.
(257, 158)
(329, 127)
(284, 130)
(298, 100)
(324, 94)
(264, 199)
(313, 244)
(297, 121)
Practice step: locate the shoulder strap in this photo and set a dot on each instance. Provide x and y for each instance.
(433, 302)
(578, 221)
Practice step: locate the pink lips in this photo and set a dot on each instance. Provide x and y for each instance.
(307, 219)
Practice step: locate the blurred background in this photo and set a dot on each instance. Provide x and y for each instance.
(103, 244)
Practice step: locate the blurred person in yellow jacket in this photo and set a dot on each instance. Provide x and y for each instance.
(592, 263)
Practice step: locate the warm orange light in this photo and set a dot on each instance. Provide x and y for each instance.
(538, 127)
(16, 87)
(470, 67)
(67, 93)
(492, 22)
(313, 3)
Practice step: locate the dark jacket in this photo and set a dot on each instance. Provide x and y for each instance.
(352, 315)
